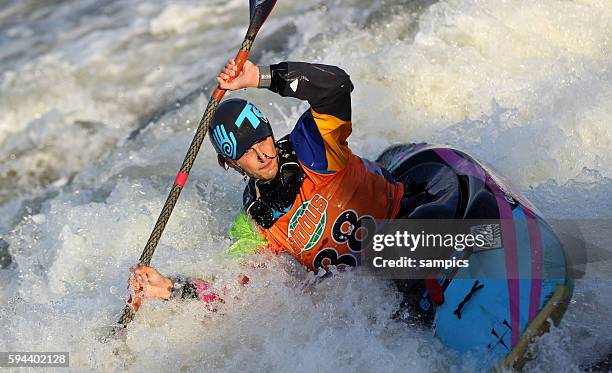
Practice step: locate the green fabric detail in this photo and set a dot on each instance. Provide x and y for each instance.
(248, 239)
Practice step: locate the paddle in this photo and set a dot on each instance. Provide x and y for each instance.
(259, 11)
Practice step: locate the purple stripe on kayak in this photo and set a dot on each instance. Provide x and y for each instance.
(511, 257)
(466, 167)
(460, 164)
(536, 264)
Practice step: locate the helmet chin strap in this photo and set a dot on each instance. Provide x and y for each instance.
(235, 166)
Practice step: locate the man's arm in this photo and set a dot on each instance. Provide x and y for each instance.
(148, 283)
(326, 88)
(320, 135)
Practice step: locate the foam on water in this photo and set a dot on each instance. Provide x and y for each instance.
(525, 86)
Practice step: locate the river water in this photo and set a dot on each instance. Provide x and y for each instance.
(99, 101)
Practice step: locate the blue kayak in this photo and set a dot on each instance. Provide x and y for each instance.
(511, 290)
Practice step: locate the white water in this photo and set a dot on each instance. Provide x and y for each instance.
(523, 85)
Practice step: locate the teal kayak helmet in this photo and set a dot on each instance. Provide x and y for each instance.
(235, 127)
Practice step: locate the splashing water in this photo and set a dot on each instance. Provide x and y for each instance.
(526, 86)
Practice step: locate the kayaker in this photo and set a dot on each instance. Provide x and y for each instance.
(308, 194)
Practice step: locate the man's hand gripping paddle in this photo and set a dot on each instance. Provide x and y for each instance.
(259, 11)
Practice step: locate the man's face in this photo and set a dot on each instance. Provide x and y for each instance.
(260, 160)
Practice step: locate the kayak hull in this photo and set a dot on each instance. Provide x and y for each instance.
(497, 321)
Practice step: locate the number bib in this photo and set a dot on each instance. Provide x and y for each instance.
(333, 216)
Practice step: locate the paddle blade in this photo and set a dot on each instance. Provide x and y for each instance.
(259, 11)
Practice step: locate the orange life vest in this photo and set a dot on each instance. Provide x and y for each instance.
(341, 196)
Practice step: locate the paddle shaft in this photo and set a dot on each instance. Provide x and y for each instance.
(190, 157)
(258, 17)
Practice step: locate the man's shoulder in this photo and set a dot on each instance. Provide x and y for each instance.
(320, 142)
(308, 143)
